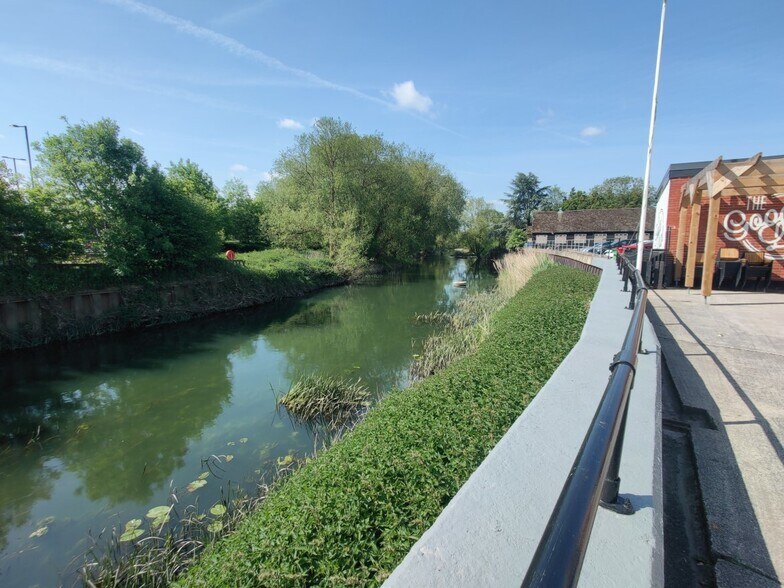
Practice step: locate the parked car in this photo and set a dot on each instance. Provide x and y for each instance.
(633, 247)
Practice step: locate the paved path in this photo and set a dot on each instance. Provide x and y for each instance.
(727, 362)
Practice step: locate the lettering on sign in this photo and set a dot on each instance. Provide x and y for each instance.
(766, 227)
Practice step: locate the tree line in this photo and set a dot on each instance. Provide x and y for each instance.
(486, 230)
(355, 197)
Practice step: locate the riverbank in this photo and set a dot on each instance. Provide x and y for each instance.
(59, 315)
(349, 516)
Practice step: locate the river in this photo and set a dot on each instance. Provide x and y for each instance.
(96, 432)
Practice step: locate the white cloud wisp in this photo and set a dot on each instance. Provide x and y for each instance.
(407, 97)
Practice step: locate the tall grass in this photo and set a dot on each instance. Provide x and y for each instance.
(515, 269)
(469, 323)
(325, 400)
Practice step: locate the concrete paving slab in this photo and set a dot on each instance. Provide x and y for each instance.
(726, 358)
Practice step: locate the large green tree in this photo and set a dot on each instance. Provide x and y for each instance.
(242, 214)
(484, 228)
(119, 207)
(358, 197)
(525, 195)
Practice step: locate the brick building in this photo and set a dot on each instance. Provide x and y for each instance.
(747, 215)
(581, 228)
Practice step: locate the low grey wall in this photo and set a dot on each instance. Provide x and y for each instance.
(488, 533)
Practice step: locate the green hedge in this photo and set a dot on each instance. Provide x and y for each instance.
(349, 516)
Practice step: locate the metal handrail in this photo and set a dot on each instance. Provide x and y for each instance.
(594, 478)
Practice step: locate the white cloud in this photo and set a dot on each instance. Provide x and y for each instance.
(269, 176)
(238, 168)
(592, 131)
(409, 98)
(290, 123)
(135, 132)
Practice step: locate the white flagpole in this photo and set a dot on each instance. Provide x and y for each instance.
(647, 180)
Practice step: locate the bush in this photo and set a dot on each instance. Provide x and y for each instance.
(349, 516)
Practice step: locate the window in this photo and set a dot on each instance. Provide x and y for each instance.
(541, 239)
(599, 237)
(560, 238)
(619, 236)
(580, 238)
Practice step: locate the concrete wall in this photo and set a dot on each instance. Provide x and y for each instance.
(488, 533)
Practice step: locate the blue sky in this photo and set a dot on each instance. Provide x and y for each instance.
(559, 88)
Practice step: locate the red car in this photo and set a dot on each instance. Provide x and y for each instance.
(633, 247)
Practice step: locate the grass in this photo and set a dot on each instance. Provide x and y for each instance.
(62, 278)
(326, 400)
(218, 285)
(348, 517)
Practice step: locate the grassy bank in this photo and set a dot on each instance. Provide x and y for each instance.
(349, 516)
(217, 286)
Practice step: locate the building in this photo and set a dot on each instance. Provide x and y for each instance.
(728, 206)
(582, 228)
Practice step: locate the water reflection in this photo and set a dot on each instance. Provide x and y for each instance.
(102, 427)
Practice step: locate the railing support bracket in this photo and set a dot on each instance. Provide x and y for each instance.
(621, 505)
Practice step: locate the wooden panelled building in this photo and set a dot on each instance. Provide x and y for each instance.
(732, 211)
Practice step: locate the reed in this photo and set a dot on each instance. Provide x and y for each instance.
(327, 400)
(469, 323)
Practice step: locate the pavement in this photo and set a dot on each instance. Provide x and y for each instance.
(726, 358)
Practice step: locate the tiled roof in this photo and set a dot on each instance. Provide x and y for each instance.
(608, 220)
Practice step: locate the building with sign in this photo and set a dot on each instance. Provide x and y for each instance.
(724, 215)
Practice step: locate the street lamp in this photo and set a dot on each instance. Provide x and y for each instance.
(16, 173)
(29, 157)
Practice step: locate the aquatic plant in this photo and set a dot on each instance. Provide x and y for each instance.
(326, 400)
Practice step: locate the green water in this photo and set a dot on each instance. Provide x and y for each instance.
(95, 433)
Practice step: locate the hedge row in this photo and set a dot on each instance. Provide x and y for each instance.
(349, 516)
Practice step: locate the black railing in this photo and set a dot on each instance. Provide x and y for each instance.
(594, 478)
(575, 263)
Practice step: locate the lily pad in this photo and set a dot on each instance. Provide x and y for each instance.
(159, 522)
(218, 510)
(231, 443)
(229, 458)
(195, 485)
(40, 532)
(215, 526)
(244, 440)
(131, 534)
(204, 475)
(157, 512)
(45, 522)
(132, 530)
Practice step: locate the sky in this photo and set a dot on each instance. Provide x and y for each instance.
(490, 88)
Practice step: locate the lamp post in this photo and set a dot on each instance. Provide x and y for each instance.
(647, 181)
(29, 156)
(16, 173)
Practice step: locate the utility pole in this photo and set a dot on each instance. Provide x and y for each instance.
(16, 173)
(647, 181)
(29, 156)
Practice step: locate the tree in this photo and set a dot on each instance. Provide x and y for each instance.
(516, 239)
(359, 197)
(29, 231)
(617, 192)
(484, 228)
(126, 211)
(242, 214)
(554, 199)
(525, 195)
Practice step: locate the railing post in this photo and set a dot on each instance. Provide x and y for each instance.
(612, 481)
